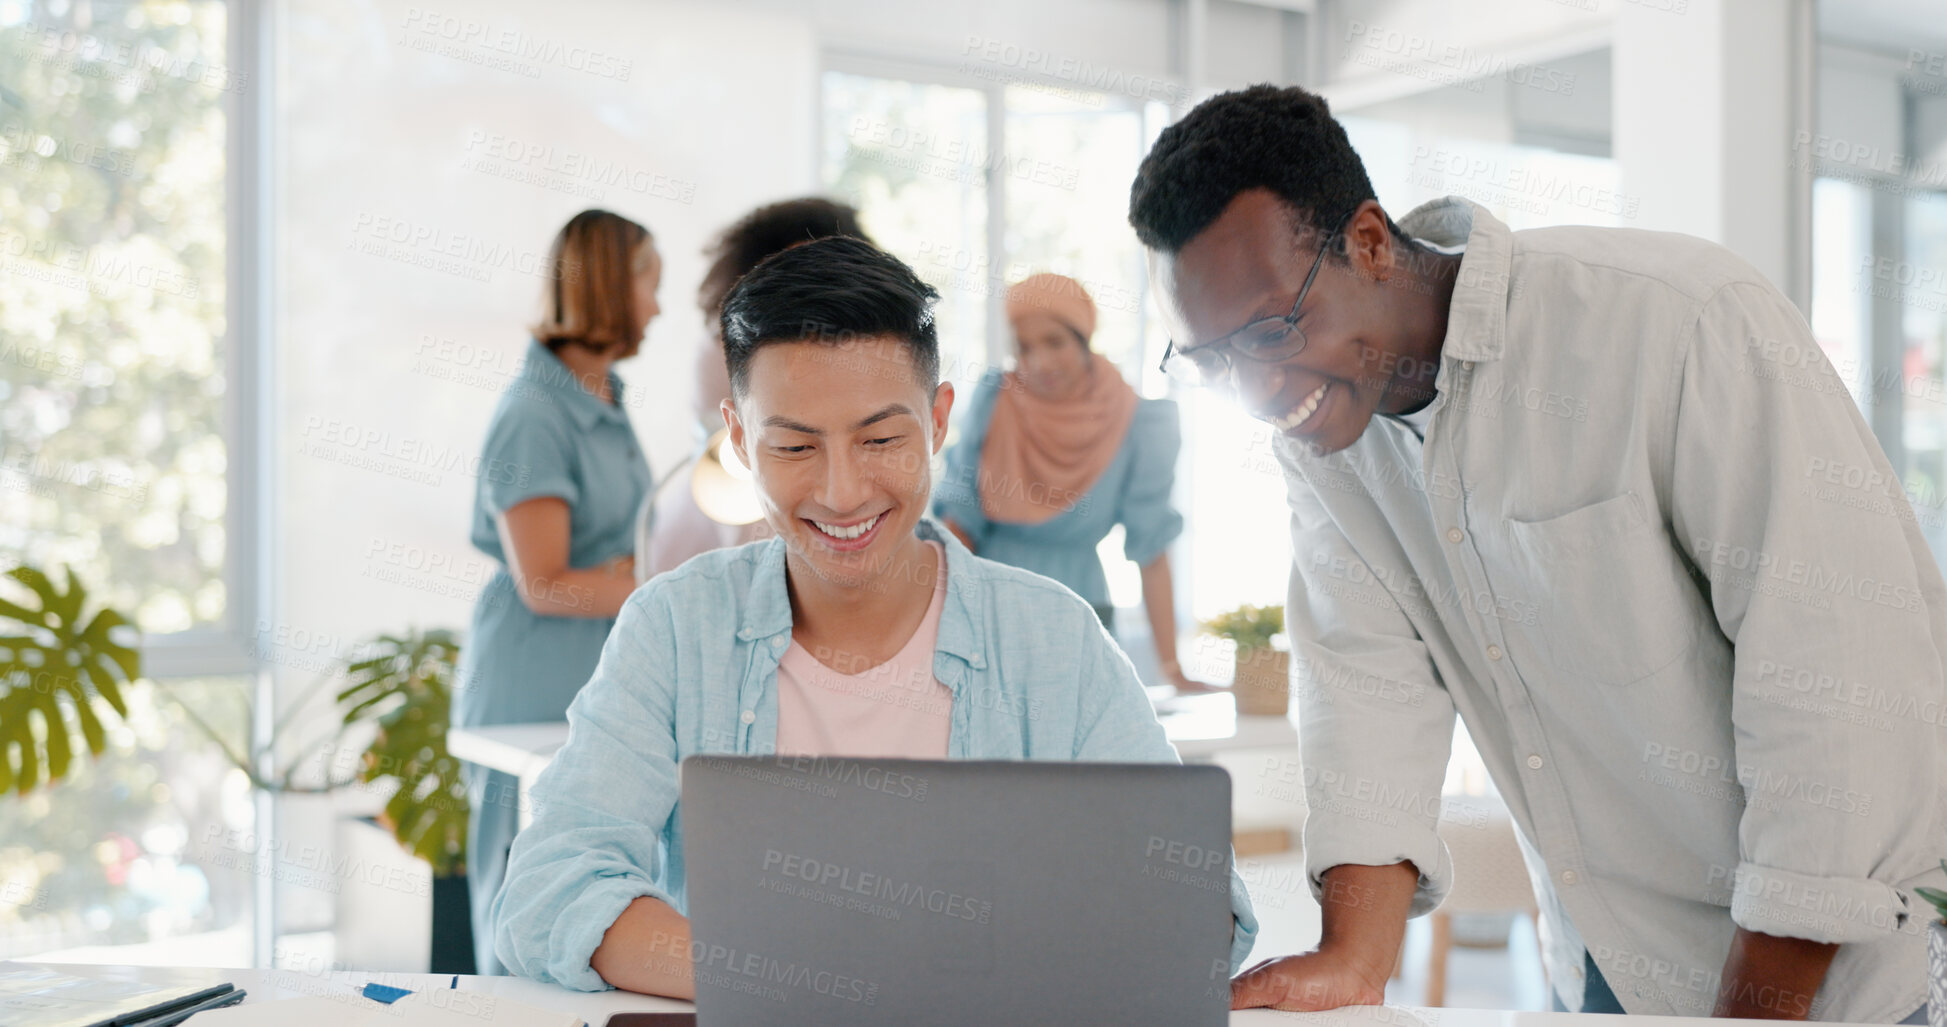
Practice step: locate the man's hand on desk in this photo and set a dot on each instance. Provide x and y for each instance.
(1364, 911)
(1315, 980)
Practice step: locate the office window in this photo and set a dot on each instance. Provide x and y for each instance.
(1053, 223)
(920, 160)
(1842, 222)
(114, 459)
(1923, 323)
(145, 855)
(911, 157)
(112, 301)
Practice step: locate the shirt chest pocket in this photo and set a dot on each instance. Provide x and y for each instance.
(1614, 603)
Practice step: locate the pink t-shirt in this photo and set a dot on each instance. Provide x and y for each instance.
(896, 709)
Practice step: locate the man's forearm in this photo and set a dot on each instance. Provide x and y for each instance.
(1769, 977)
(1364, 912)
(647, 950)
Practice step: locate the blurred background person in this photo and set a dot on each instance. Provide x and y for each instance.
(679, 528)
(561, 477)
(1060, 450)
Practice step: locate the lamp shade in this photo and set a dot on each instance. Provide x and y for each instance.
(722, 485)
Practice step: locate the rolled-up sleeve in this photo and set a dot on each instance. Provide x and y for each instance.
(1372, 766)
(956, 496)
(1784, 501)
(1117, 723)
(593, 848)
(1149, 521)
(529, 454)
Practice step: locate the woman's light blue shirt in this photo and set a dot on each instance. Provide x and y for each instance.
(1134, 492)
(548, 437)
(692, 668)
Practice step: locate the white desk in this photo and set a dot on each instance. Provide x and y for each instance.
(594, 1007)
(1200, 726)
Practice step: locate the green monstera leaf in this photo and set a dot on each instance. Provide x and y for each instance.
(407, 686)
(55, 663)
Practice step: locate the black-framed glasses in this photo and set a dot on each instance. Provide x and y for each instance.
(1267, 340)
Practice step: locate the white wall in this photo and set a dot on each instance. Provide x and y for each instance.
(389, 369)
(1374, 50)
(1029, 37)
(387, 365)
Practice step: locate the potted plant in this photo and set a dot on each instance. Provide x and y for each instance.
(1937, 954)
(405, 685)
(1262, 679)
(69, 668)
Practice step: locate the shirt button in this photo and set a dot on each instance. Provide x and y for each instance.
(1454, 535)
(1568, 877)
(1467, 365)
(749, 717)
(1493, 652)
(778, 642)
(1534, 763)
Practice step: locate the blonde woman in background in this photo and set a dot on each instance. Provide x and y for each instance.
(1060, 450)
(561, 476)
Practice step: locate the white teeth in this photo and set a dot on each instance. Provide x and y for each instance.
(850, 533)
(1303, 412)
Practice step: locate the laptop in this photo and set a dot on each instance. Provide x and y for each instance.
(870, 891)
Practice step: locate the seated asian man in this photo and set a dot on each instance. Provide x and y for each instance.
(860, 630)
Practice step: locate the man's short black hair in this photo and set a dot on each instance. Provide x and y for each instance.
(837, 290)
(1279, 138)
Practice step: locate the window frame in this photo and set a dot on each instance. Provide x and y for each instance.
(925, 72)
(227, 649)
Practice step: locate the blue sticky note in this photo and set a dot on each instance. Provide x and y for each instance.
(385, 993)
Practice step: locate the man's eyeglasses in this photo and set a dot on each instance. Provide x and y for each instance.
(1267, 340)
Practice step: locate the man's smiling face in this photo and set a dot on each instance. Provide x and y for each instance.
(840, 443)
(1250, 264)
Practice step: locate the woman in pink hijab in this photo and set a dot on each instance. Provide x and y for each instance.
(1059, 451)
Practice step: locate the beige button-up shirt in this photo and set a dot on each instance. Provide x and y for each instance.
(1654, 558)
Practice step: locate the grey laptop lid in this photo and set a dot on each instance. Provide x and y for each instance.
(865, 891)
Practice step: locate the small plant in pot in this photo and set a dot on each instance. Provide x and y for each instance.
(1937, 954)
(1262, 682)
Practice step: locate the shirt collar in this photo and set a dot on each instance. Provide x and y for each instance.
(1477, 316)
(541, 367)
(962, 629)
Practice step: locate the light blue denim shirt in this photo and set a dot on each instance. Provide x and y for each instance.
(691, 667)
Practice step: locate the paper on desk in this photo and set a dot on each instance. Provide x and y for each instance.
(435, 1008)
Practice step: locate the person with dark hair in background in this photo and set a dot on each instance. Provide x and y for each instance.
(1060, 450)
(1555, 480)
(682, 530)
(861, 629)
(561, 475)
